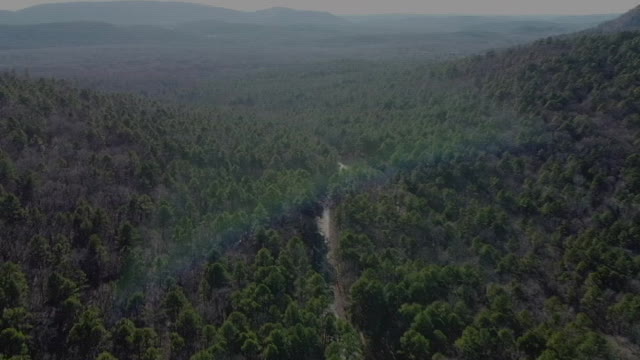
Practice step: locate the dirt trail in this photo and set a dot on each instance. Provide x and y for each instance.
(327, 228)
(329, 231)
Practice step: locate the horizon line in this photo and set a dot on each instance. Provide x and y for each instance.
(342, 14)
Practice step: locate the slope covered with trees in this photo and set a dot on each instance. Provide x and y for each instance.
(105, 198)
(527, 251)
(121, 214)
(627, 22)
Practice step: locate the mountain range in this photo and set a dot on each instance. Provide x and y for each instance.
(153, 22)
(160, 13)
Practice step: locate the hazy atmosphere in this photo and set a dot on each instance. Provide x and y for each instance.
(406, 6)
(320, 180)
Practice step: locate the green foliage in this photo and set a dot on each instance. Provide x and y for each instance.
(488, 211)
(346, 345)
(106, 356)
(88, 334)
(13, 286)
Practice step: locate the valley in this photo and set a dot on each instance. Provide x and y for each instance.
(217, 184)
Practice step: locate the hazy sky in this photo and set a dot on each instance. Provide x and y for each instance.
(408, 6)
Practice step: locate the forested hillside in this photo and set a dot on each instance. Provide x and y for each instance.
(527, 251)
(627, 22)
(484, 208)
(116, 207)
(105, 199)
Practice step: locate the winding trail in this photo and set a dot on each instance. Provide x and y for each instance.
(327, 228)
(329, 231)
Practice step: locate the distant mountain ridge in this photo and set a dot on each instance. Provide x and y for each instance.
(281, 15)
(629, 21)
(160, 13)
(450, 23)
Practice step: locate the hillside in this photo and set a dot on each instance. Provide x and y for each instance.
(527, 247)
(160, 13)
(627, 22)
(139, 190)
(456, 23)
(180, 226)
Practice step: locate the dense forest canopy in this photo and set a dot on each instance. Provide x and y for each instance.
(477, 208)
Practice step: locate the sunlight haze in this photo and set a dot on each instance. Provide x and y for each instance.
(407, 6)
(319, 179)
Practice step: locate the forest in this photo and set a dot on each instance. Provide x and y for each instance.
(478, 207)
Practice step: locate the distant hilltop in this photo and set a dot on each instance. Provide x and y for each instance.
(161, 13)
(629, 21)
